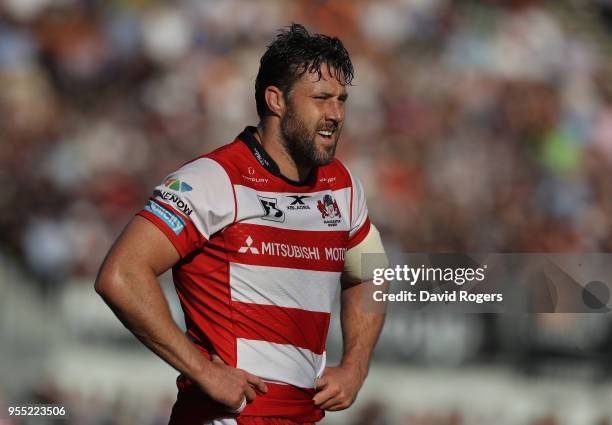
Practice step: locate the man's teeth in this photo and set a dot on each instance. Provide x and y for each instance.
(325, 133)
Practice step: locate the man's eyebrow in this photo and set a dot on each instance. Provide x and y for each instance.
(328, 94)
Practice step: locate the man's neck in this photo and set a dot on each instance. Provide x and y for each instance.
(271, 140)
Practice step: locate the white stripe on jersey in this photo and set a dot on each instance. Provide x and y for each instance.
(250, 209)
(226, 421)
(280, 363)
(294, 288)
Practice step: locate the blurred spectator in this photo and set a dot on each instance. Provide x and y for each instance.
(373, 413)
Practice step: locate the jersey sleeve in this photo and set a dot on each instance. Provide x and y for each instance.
(192, 204)
(360, 223)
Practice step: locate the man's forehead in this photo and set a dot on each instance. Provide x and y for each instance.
(325, 79)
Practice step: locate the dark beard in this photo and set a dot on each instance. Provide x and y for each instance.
(300, 141)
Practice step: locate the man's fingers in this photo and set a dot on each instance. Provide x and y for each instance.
(328, 404)
(321, 383)
(338, 402)
(250, 393)
(323, 396)
(256, 382)
(335, 407)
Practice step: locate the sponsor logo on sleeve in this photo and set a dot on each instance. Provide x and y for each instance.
(174, 222)
(177, 185)
(175, 200)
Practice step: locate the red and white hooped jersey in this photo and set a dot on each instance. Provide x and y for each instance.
(261, 259)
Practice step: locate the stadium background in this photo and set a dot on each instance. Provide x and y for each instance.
(475, 126)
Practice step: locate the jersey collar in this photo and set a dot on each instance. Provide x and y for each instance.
(248, 138)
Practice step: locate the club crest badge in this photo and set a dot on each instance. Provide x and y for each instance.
(329, 210)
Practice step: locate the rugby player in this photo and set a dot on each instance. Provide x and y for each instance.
(261, 234)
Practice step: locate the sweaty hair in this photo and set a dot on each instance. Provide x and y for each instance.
(295, 52)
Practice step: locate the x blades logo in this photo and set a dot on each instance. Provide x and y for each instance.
(177, 185)
(297, 199)
(298, 202)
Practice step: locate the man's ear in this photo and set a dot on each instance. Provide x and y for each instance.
(275, 100)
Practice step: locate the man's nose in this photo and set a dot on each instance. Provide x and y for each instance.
(335, 111)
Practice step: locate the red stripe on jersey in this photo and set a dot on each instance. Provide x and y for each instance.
(296, 249)
(286, 401)
(195, 407)
(281, 325)
(360, 234)
(258, 420)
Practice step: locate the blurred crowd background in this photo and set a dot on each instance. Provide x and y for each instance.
(475, 126)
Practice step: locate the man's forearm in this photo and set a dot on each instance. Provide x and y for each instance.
(360, 330)
(139, 302)
(337, 388)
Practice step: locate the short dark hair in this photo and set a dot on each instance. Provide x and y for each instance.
(294, 52)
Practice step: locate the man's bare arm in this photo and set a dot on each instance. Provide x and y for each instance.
(128, 283)
(360, 330)
(338, 387)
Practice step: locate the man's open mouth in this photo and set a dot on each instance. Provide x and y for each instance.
(327, 134)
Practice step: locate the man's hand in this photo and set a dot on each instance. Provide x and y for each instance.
(337, 388)
(230, 386)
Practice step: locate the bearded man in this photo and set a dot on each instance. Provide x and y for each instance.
(260, 234)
